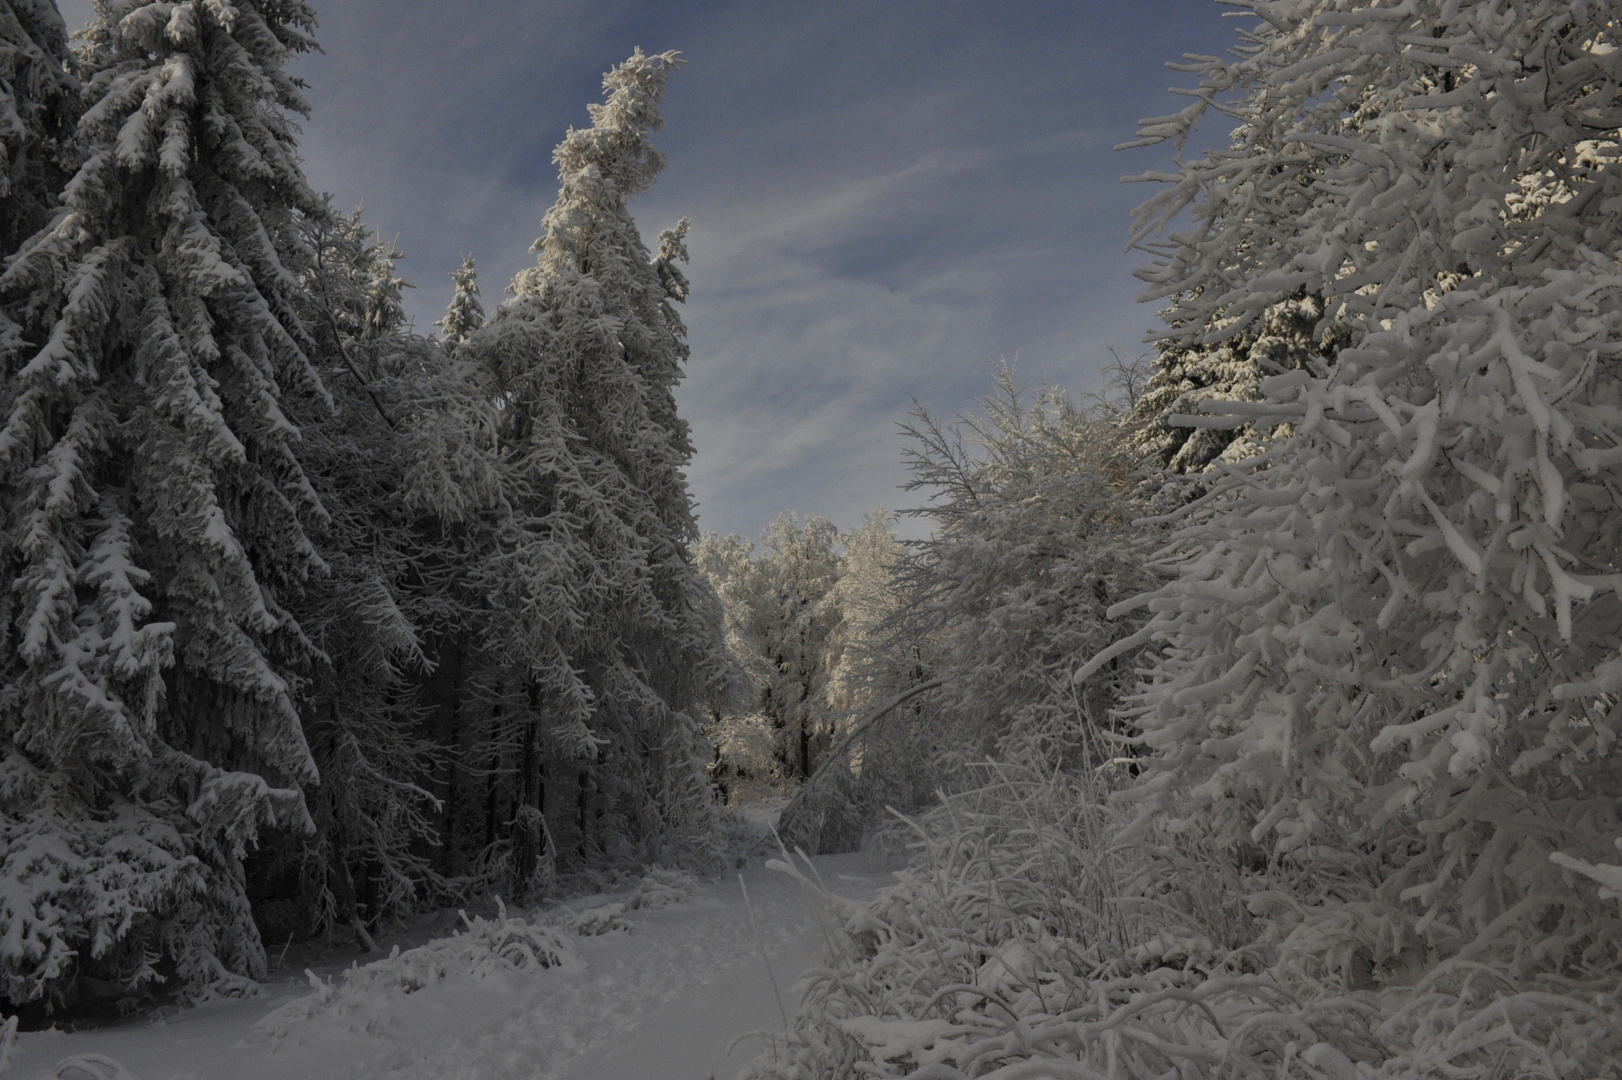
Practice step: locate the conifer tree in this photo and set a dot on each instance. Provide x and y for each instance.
(38, 106)
(605, 625)
(156, 508)
(464, 314)
(1291, 336)
(371, 613)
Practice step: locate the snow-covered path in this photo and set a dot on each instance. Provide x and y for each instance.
(663, 1000)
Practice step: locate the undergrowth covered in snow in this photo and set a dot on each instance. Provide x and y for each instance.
(1022, 941)
(359, 1000)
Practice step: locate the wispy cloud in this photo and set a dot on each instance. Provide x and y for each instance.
(885, 197)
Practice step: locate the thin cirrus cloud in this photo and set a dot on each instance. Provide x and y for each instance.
(886, 196)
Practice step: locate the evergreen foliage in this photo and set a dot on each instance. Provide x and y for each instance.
(370, 855)
(157, 508)
(1175, 446)
(465, 313)
(38, 103)
(609, 638)
(311, 610)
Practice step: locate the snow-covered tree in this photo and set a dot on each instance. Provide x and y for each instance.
(610, 635)
(371, 615)
(872, 663)
(1031, 543)
(741, 740)
(1389, 655)
(794, 630)
(155, 507)
(465, 313)
(38, 106)
(1174, 454)
(782, 612)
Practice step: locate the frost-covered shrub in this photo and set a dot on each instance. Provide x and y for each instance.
(1024, 941)
(1383, 696)
(604, 919)
(484, 948)
(1019, 933)
(1376, 725)
(90, 1067)
(661, 887)
(1031, 542)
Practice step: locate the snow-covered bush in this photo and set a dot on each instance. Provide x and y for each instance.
(1021, 942)
(1375, 730)
(1031, 542)
(359, 1000)
(1024, 941)
(89, 1067)
(596, 921)
(660, 887)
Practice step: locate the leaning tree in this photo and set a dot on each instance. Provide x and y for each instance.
(607, 639)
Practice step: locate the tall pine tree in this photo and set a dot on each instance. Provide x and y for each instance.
(155, 508)
(611, 639)
(465, 313)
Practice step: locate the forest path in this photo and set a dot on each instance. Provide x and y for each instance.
(663, 1001)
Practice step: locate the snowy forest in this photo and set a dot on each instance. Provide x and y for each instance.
(1249, 716)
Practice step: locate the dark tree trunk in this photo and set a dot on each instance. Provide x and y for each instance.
(583, 802)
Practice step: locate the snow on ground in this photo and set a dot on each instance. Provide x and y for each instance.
(663, 1000)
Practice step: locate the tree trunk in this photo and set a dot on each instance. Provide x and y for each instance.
(583, 801)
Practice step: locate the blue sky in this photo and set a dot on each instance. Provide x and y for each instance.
(886, 196)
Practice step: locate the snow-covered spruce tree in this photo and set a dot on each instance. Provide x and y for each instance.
(1388, 662)
(465, 313)
(370, 615)
(38, 105)
(155, 509)
(611, 636)
(1291, 335)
